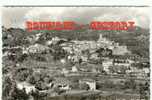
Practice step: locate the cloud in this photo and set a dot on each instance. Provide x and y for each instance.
(18, 16)
(13, 16)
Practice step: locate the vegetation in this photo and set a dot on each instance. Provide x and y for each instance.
(137, 41)
(11, 92)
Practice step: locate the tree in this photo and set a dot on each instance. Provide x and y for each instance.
(31, 79)
(147, 86)
(57, 90)
(16, 94)
(22, 74)
(40, 85)
(35, 94)
(130, 84)
(109, 84)
(40, 58)
(142, 91)
(6, 87)
(84, 86)
(58, 52)
(22, 95)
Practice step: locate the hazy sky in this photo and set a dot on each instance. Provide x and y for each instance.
(17, 16)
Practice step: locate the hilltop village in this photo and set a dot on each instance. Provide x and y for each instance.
(50, 67)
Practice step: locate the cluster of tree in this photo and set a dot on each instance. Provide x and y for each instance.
(44, 37)
(21, 74)
(38, 95)
(14, 37)
(58, 90)
(58, 52)
(141, 65)
(137, 40)
(104, 52)
(93, 96)
(118, 69)
(130, 84)
(11, 92)
(84, 86)
(40, 80)
(124, 85)
(39, 57)
(144, 90)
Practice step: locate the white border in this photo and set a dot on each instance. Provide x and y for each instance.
(76, 2)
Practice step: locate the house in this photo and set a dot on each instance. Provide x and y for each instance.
(48, 43)
(84, 58)
(101, 38)
(94, 56)
(63, 61)
(119, 69)
(146, 70)
(31, 38)
(62, 83)
(65, 71)
(55, 40)
(106, 64)
(120, 50)
(28, 87)
(68, 49)
(74, 69)
(139, 73)
(37, 48)
(91, 83)
(122, 60)
(37, 36)
(122, 64)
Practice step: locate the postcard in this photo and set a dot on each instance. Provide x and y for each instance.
(75, 53)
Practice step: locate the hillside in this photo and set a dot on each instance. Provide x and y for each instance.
(136, 40)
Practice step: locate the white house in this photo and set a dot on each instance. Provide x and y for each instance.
(65, 71)
(37, 48)
(63, 61)
(74, 69)
(28, 87)
(106, 64)
(120, 50)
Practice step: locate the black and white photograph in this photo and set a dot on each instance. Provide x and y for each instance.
(75, 53)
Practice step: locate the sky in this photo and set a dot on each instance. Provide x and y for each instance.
(17, 16)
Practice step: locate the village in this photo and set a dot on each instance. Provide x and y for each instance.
(57, 67)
